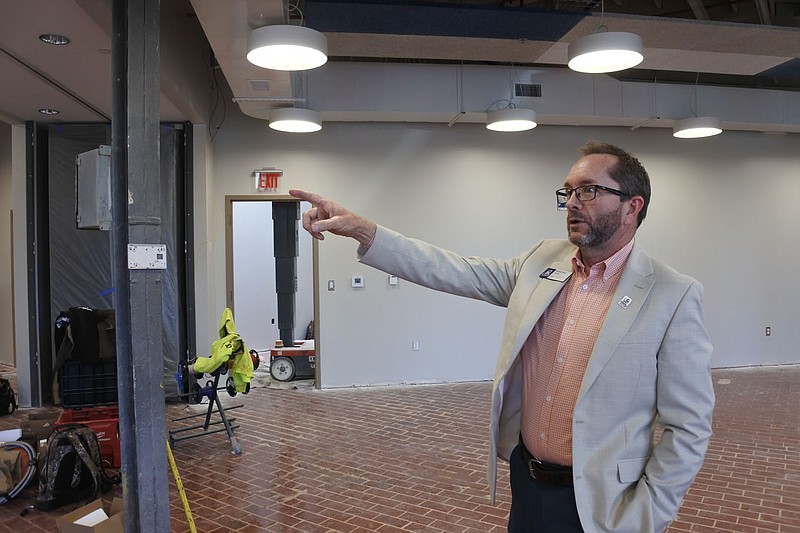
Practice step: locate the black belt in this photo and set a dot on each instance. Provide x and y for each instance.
(544, 472)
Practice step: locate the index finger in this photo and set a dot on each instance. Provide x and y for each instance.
(308, 196)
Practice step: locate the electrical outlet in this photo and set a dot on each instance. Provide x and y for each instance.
(414, 346)
(768, 331)
(331, 285)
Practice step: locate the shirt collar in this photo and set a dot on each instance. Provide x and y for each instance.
(609, 268)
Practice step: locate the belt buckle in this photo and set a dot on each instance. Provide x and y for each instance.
(532, 468)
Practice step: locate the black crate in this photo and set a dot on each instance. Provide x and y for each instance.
(88, 384)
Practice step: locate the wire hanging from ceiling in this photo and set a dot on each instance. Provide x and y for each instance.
(290, 7)
(215, 99)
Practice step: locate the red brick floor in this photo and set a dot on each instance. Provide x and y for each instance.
(403, 459)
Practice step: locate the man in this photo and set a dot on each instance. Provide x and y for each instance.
(601, 343)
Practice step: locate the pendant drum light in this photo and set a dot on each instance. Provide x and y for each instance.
(511, 119)
(295, 120)
(286, 47)
(605, 52)
(697, 127)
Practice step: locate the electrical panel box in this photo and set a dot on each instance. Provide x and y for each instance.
(93, 189)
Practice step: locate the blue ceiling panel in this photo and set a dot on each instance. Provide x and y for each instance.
(434, 19)
(788, 70)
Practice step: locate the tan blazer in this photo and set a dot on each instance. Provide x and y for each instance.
(650, 364)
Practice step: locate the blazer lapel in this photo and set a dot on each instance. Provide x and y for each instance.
(540, 298)
(632, 291)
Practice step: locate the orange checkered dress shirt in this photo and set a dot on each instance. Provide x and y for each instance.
(555, 356)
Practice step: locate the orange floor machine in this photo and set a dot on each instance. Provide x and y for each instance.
(297, 362)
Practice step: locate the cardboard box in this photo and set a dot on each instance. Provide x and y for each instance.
(112, 523)
(38, 426)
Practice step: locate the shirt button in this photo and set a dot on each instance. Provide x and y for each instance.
(571, 322)
(585, 286)
(560, 359)
(541, 436)
(549, 398)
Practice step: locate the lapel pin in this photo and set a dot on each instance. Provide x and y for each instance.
(625, 302)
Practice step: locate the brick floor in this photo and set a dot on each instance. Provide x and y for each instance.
(410, 459)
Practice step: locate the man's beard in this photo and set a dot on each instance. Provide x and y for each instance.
(601, 229)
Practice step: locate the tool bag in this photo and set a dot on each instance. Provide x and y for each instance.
(8, 398)
(18, 468)
(72, 470)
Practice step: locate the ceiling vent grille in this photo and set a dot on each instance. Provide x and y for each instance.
(528, 90)
(259, 85)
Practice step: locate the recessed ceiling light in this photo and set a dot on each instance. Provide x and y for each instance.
(52, 38)
(49, 111)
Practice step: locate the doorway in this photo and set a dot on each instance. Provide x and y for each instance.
(251, 274)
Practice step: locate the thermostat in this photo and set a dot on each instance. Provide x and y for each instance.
(357, 282)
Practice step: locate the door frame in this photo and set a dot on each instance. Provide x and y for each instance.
(229, 200)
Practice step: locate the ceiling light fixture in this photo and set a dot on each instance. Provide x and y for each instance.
(605, 51)
(49, 111)
(295, 120)
(286, 47)
(697, 127)
(52, 38)
(511, 119)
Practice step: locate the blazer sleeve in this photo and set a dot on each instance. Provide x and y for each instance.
(488, 280)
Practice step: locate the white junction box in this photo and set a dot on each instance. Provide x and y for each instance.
(147, 256)
(93, 189)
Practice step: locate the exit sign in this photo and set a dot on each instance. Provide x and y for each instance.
(267, 179)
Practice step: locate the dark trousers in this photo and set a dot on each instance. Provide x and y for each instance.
(538, 508)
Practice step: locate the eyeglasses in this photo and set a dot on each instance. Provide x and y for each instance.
(585, 193)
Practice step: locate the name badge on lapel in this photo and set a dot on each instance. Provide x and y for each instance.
(554, 274)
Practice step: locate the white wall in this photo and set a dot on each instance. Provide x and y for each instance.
(723, 211)
(25, 368)
(209, 231)
(6, 289)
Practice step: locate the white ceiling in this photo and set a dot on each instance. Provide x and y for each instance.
(725, 43)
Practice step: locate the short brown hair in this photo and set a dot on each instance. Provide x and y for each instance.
(628, 172)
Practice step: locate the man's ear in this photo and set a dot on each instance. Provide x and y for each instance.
(635, 205)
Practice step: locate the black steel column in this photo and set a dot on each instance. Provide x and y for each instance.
(136, 214)
(38, 207)
(284, 222)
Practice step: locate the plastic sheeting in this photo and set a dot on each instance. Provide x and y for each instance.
(172, 282)
(80, 259)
